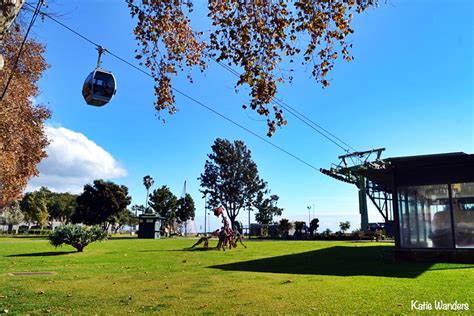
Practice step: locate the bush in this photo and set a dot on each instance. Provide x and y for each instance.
(77, 236)
(23, 229)
(39, 231)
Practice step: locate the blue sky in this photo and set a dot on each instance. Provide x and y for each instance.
(409, 89)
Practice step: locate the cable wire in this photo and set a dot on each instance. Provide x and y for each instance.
(186, 95)
(303, 118)
(15, 64)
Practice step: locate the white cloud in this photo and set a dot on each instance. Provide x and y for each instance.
(73, 161)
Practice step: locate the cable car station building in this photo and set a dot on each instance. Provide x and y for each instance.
(432, 203)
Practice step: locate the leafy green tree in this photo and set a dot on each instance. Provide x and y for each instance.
(164, 203)
(256, 37)
(34, 206)
(100, 202)
(299, 226)
(43, 205)
(185, 210)
(267, 208)
(284, 227)
(125, 217)
(27, 207)
(133, 218)
(13, 215)
(327, 232)
(77, 236)
(138, 209)
(344, 226)
(43, 200)
(61, 206)
(313, 226)
(231, 177)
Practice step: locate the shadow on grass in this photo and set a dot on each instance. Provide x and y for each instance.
(42, 254)
(336, 261)
(200, 249)
(180, 250)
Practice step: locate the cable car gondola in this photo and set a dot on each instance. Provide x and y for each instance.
(99, 86)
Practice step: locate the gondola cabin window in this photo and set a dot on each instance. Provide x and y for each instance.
(99, 87)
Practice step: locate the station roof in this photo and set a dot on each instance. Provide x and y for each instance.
(457, 167)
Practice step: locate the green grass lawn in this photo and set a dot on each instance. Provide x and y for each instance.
(146, 276)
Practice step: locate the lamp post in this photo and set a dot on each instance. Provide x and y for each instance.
(205, 213)
(209, 222)
(309, 214)
(130, 223)
(249, 225)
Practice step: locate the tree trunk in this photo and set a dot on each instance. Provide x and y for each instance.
(232, 221)
(116, 229)
(232, 215)
(10, 228)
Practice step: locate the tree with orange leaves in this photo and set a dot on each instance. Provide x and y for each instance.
(22, 136)
(257, 36)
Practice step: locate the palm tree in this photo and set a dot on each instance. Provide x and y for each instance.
(284, 226)
(147, 182)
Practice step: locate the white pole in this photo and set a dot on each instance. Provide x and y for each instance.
(205, 212)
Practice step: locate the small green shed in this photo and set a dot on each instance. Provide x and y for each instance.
(149, 225)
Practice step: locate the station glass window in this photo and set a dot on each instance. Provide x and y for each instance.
(463, 213)
(425, 216)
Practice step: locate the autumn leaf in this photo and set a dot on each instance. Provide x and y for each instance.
(22, 135)
(253, 36)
